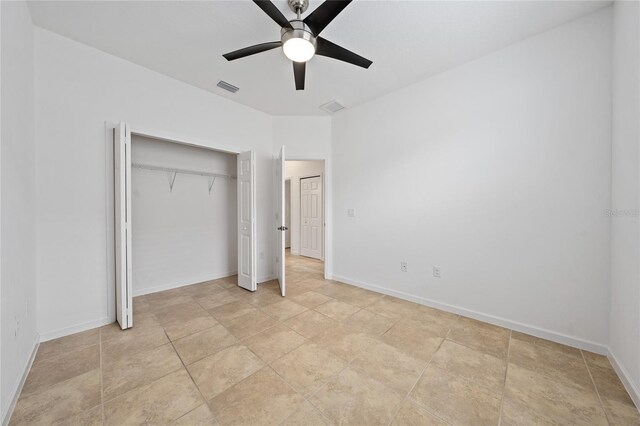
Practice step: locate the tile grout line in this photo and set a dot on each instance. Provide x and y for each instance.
(418, 380)
(199, 331)
(268, 365)
(332, 377)
(446, 336)
(476, 348)
(504, 383)
(593, 382)
(296, 391)
(43, 388)
(422, 373)
(206, 402)
(142, 386)
(154, 380)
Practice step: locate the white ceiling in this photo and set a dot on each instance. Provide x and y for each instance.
(406, 40)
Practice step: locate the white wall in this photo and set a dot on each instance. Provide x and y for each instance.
(625, 196)
(18, 241)
(294, 170)
(305, 138)
(77, 89)
(185, 235)
(499, 172)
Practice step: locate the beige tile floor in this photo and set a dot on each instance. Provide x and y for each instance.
(328, 353)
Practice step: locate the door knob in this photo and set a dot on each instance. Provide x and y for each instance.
(283, 228)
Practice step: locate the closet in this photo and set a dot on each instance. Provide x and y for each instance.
(184, 213)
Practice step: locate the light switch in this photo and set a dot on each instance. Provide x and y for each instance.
(351, 212)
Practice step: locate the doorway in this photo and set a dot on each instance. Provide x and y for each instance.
(299, 218)
(306, 200)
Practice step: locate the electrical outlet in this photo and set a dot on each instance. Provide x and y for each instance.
(436, 271)
(403, 266)
(351, 212)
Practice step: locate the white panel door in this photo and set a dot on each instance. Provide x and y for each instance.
(122, 198)
(311, 221)
(247, 274)
(281, 221)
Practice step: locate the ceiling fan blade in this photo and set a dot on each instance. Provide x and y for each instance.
(298, 74)
(324, 14)
(273, 12)
(251, 50)
(332, 50)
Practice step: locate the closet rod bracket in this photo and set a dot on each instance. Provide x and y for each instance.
(172, 180)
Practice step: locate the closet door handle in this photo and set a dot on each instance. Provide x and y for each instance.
(283, 228)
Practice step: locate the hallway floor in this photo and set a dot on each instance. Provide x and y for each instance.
(328, 353)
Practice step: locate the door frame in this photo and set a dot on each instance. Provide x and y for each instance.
(288, 180)
(162, 135)
(328, 204)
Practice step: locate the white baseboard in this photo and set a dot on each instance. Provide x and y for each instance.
(17, 388)
(491, 319)
(54, 334)
(61, 332)
(632, 390)
(171, 286)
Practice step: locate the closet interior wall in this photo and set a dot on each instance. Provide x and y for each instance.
(183, 233)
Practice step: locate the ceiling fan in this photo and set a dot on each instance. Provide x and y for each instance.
(300, 38)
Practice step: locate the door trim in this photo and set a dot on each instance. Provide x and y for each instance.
(288, 180)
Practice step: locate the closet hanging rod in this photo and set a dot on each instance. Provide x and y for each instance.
(181, 171)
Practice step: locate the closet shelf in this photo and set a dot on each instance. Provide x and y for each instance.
(174, 172)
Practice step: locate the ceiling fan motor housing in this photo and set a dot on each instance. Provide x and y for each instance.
(299, 30)
(298, 5)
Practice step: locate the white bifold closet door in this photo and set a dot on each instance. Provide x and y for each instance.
(122, 199)
(281, 219)
(247, 270)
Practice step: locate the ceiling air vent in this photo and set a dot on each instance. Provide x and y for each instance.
(332, 106)
(228, 87)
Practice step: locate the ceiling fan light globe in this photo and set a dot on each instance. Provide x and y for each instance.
(298, 49)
